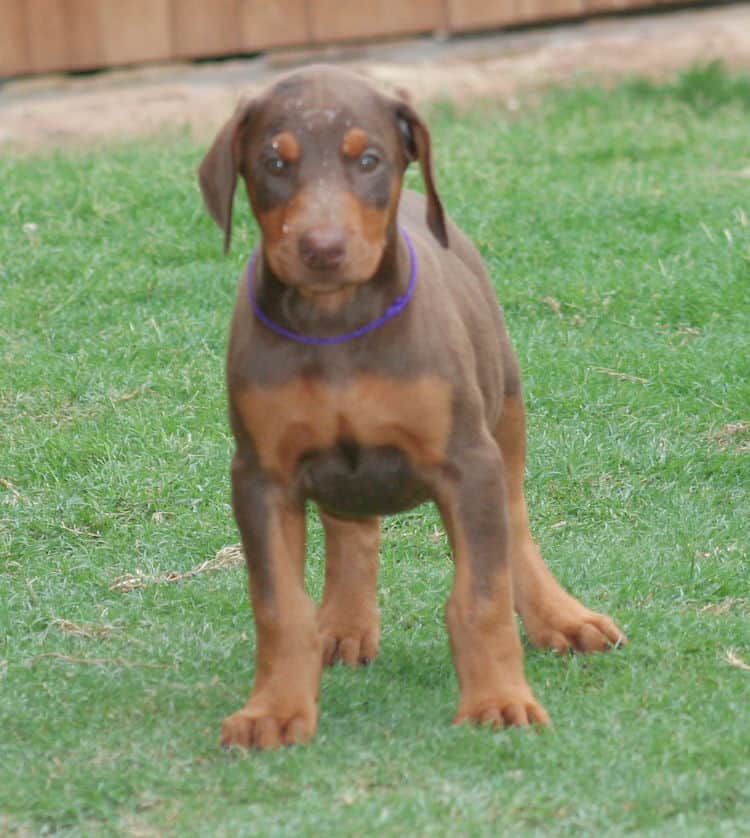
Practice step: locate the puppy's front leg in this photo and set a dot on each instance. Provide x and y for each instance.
(486, 648)
(283, 705)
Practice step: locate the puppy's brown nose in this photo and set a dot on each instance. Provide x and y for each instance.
(322, 248)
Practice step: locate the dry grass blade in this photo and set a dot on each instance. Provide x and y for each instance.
(15, 494)
(98, 661)
(86, 630)
(79, 531)
(554, 304)
(625, 376)
(226, 557)
(131, 582)
(733, 659)
(126, 397)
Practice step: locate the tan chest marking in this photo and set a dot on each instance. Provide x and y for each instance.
(308, 413)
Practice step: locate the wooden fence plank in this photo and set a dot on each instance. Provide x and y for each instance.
(526, 11)
(48, 47)
(63, 35)
(82, 36)
(134, 30)
(476, 14)
(15, 57)
(333, 20)
(201, 28)
(625, 5)
(466, 15)
(264, 24)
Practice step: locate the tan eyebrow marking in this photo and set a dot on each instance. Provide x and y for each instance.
(354, 142)
(287, 146)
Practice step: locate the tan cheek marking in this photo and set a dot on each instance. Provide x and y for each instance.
(286, 421)
(354, 143)
(368, 229)
(272, 224)
(287, 146)
(276, 223)
(370, 221)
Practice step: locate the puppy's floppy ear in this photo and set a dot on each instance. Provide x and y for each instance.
(218, 171)
(416, 139)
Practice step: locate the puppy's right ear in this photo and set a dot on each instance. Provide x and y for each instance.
(220, 167)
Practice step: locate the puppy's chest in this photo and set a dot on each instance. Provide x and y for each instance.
(368, 433)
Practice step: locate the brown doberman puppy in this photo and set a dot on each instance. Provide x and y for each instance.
(369, 370)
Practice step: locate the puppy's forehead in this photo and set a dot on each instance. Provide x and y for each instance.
(322, 102)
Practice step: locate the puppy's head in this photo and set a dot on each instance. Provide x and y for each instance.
(322, 155)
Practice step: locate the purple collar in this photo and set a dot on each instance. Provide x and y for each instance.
(397, 306)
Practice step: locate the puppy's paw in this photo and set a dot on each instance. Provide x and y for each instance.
(507, 709)
(351, 643)
(252, 729)
(575, 629)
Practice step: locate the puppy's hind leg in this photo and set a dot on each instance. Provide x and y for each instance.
(552, 617)
(348, 618)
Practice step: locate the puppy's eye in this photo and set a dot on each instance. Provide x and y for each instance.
(275, 165)
(368, 161)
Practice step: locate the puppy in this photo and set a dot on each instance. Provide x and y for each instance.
(369, 370)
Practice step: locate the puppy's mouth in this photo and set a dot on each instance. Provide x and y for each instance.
(322, 290)
(351, 273)
(322, 285)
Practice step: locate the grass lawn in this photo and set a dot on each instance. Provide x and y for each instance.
(616, 226)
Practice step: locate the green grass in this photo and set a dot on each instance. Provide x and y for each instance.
(615, 224)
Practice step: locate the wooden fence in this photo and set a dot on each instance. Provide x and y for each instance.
(39, 36)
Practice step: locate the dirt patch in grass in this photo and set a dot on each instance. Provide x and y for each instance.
(734, 436)
(228, 556)
(61, 110)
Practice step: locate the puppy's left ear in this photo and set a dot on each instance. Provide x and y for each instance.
(416, 139)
